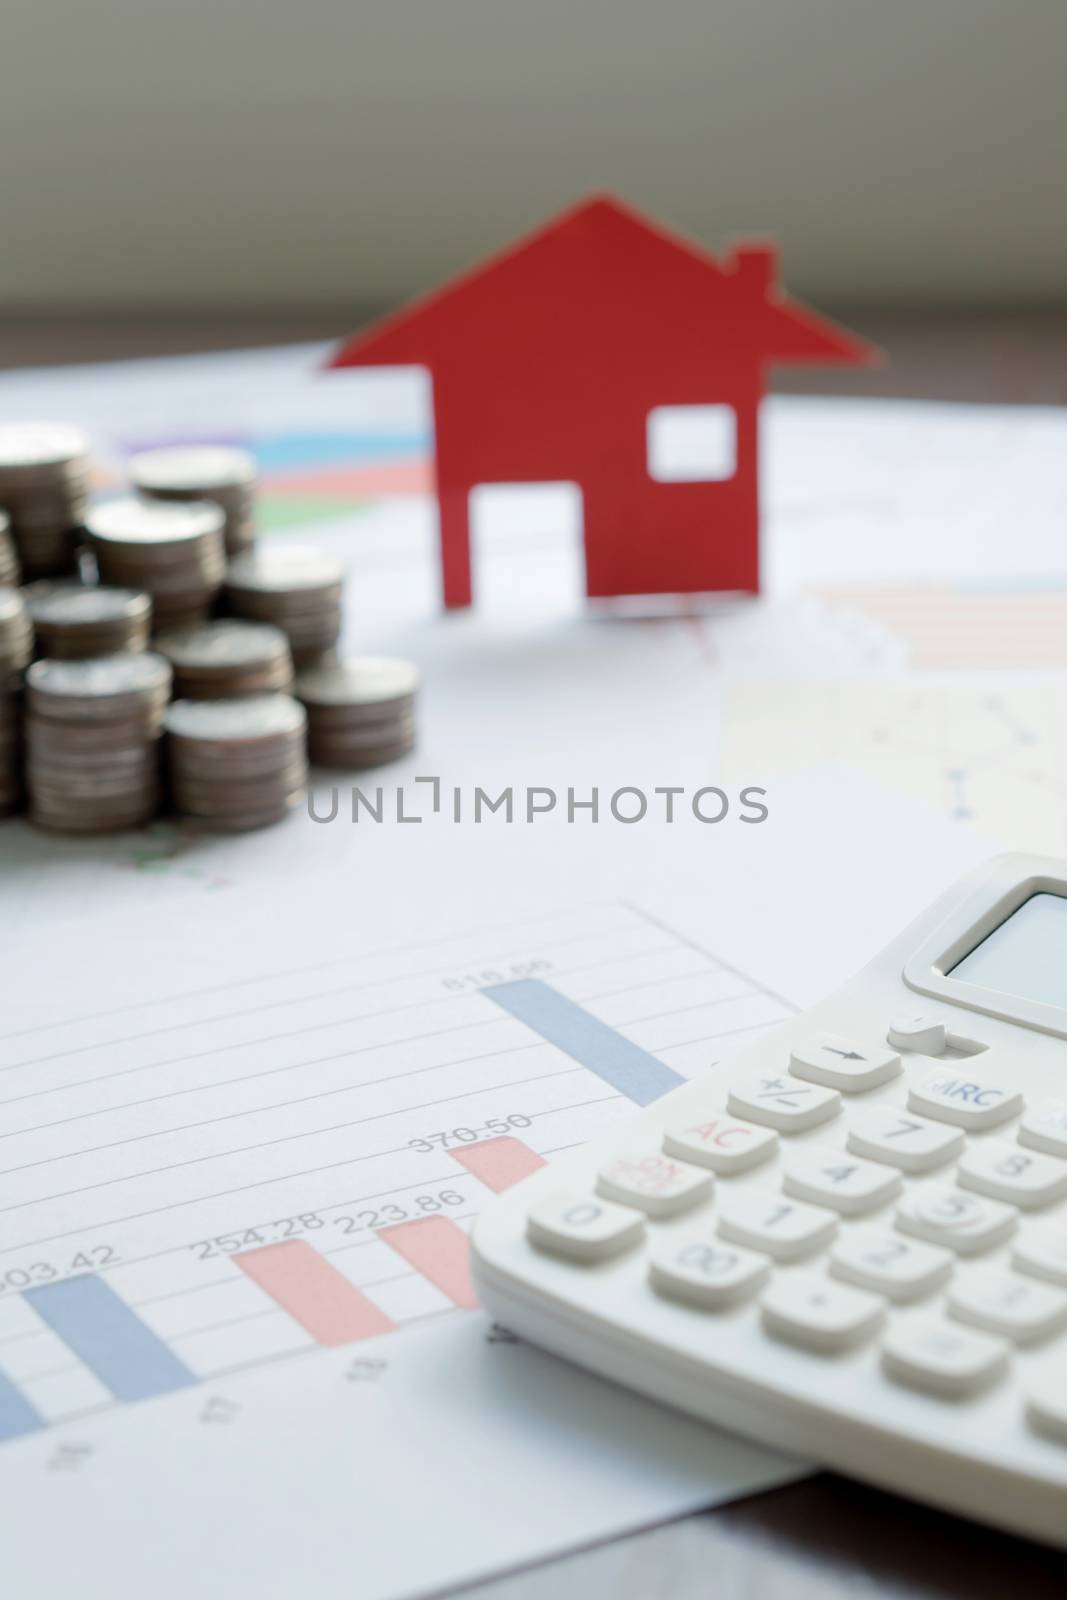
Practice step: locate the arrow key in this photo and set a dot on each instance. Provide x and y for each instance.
(840, 1063)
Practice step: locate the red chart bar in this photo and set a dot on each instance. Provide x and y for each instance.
(319, 1297)
(498, 1163)
(437, 1248)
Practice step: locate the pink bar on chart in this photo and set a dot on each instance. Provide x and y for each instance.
(498, 1163)
(437, 1249)
(320, 1298)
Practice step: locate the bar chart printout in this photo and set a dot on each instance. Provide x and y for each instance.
(324, 1302)
(109, 1337)
(294, 1164)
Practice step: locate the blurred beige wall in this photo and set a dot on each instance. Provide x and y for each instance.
(201, 152)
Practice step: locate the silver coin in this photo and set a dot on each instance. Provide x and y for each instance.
(190, 467)
(39, 444)
(250, 821)
(264, 716)
(224, 646)
(12, 607)
(130, 521)
(358, 681)
(343, 758)
(280, 569)
(69, 604)
(101, 677)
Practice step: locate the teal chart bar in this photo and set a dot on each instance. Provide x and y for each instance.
(17, 1416)
(111, 1339)
(623, 1064)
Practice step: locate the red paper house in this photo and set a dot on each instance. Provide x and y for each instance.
(579, 353)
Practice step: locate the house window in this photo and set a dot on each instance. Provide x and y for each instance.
(692, 444)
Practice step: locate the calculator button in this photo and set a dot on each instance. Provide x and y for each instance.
(1002, 1303)
(654, 1183)
(922, 1033)
(901, 1140)
(1022, 1177)
(933, 1355)
(807, 1309)
(845, 1183)
(703, 1272)
(966, 1223)
(842, 1064)
(722, 1143)
(1041, 1252)
(953, 1094)
(780, 1101)
(584, 1228)
(902, 1269)
(1046, 1406)
(1044, 1127)
(784, 1229)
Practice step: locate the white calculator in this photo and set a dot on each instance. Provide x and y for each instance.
(850, 1241)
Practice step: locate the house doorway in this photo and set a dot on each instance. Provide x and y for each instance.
(527, 548)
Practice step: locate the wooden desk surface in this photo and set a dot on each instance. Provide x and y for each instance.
(824, 1538)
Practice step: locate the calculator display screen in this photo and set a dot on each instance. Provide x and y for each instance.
(1026, 956)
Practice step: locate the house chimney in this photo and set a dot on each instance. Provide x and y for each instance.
(756, 266)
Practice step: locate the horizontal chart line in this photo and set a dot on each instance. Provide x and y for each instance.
(322, 966)
(252, 1077)
(266, 1144)
(295, 1033)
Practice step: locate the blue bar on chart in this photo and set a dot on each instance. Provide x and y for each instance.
(111, 1339)
(17, 1416)
(629, 1069)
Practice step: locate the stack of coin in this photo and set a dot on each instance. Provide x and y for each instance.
(237, 764)
(174, 552)
(16, 650)
(361, 712)
(16, 639)
(44, 485)
(92, 741)
(203, 472)
(296, 588)
(10, 752)
(221, 660)
(72, 620)
(10, 571)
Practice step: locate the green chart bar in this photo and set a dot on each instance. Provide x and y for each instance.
(17, 1416)
(629, 1069)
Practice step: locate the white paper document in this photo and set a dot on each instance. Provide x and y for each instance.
(253, 1090)
(238, 1345)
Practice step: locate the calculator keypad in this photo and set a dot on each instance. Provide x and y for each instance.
(911, 1143)
(723, 1143)
(847, 1184)
(806, 1308)
(929, 1354)
(1024, 1178)
(778, 1100)
(1044, 1127)
(953, 1093)
(901, 1269)
(843, 1064)
(1041, 1252)
(584, 1228)
(872, 1228)
(705, 1272)
(1002, 1303)
(764, 1220)
(654, 1183)
(966, 1223)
